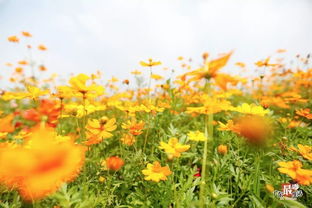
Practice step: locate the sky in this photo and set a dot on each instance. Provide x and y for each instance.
(114, 35)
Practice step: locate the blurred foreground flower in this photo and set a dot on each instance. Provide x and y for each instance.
(255, 129)
(41, 165)
(154, 172)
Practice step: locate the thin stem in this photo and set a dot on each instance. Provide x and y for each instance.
(202, 196)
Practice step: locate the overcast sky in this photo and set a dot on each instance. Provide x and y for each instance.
(114, 35)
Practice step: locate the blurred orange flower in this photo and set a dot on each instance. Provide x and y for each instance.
(26, 34)
(42, 47)
(13, 39)
(6, 124)
(40, 166)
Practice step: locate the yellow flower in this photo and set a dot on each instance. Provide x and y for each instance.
(196, 136)
(13, 39)
(135, 128)
(113, 79)
(173, 148)
(294, 170)
(211, 105)
(251, 109)
(35, 92)
(101, 128)
(269, 188)
(156, 77)
(290, 168)
(150, 63)
(304, 150)
(154, 172)
(128, 139)
(77, 110)
(26, 34)
(42, 47)
(136, 72)
(3, 135)
(229, 126)
(78, 83)
(210, 68)
(102, 179)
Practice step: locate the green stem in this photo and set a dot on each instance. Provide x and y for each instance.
(202, 196)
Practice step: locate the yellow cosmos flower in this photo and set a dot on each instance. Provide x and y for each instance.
(102, 127)
(136, 72)
(173, 148)
(196, 136)
(135, 128)
(304, 150)
(156, 77)
(35, 92)
(79, 84)
(294, 170)
(154, 172)
(150, 63)
(128, 139)
(3, 135)
(77, 110)
(251, 109)
(210, 68)
(211, 105)
(290, 168)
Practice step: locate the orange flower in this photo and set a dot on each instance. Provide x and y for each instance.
(48, 111)
(126, 81)
(210, 68)
(222, 149)
(13, 39)
(294, 170)
(19, 70)
(114, 163)
(254, 128)
(42, 47)
(26, 34)
(22, 62)
(304, 150)
(304, 113)
(42, 68)
(6, 124)
(135, 128)
(41, 165)
(290, 168)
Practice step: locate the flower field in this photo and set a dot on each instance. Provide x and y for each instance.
(200, 138)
